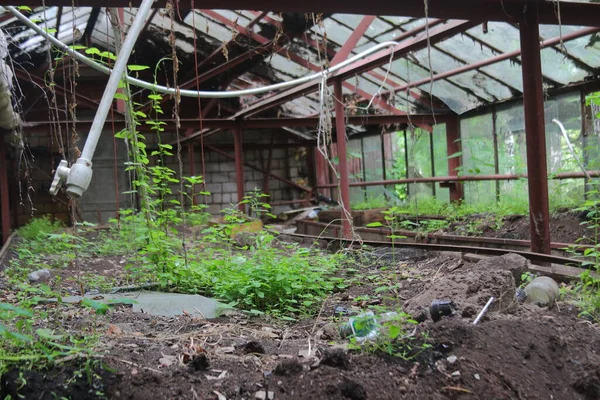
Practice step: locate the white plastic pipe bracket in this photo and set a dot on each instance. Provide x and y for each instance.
(77, 178)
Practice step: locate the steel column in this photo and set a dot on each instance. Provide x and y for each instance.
(5, 206)
(454, 160)
(239, 167)
(340, 127)
(535, 139)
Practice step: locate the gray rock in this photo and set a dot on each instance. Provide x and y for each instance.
(41, 275)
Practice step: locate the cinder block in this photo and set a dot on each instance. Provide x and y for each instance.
(219, 177)
(226, 166)
(251, 185)
(214, 187)
(208, 167)
(216, 198)
(230, 187)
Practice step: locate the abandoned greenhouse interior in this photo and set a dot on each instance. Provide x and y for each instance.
(318, 200)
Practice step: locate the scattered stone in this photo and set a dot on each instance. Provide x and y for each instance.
(253, 347)
(452, 359)
(340, 311)
(455, 374)
(262, 395)
(353, 390)
(288, 368)
(476, 376)
(200, 362)
(41, 275)
(337, 358)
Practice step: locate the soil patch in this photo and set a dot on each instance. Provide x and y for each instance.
(516, 352)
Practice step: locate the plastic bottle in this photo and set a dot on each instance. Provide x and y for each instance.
(365, 326)
(542, 291)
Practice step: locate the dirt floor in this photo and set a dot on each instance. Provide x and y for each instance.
(516, 352)
(565, 227)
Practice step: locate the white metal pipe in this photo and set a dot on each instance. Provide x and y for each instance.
(115, 77)
(483, 311)
(194, 93)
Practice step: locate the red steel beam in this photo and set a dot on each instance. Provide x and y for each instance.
(351, 42)
(535, 134)
(463, 178)
(571, 13)
(381, 58)
(505, 56)
(271, 123)
(340, 127)
(4, 198)
(239, 167)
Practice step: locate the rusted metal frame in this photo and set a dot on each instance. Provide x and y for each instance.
(495, 144)
(535, 139)
(267, 123)
(493, 60)
(584, 140)
(266, 180)
(572, 13)
(284, 180)
(432, 157)
(239, 167)
(256, 20)
(4, 196)
(91, 23)
(340, 127)
(406, 161)
(546, 79)
(351, 42)
(376, 60)
(463, 178)
(311, 168)
(363, 166)
(453, 147)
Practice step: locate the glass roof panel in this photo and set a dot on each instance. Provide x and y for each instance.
(585, 50)
(289, 67)
(458, 100)
(501, 36)
(559, 68)
(509, 71)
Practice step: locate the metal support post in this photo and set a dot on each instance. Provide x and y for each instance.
(454, 160)
(340, 126)
(533, 102)
(239, 167)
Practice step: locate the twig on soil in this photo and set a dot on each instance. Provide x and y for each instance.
(283, 338)
(194, 393)
(457, 389)
(200, 312)
(138, 366)
(319, 315)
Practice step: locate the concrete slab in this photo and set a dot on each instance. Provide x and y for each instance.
(163, 304)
